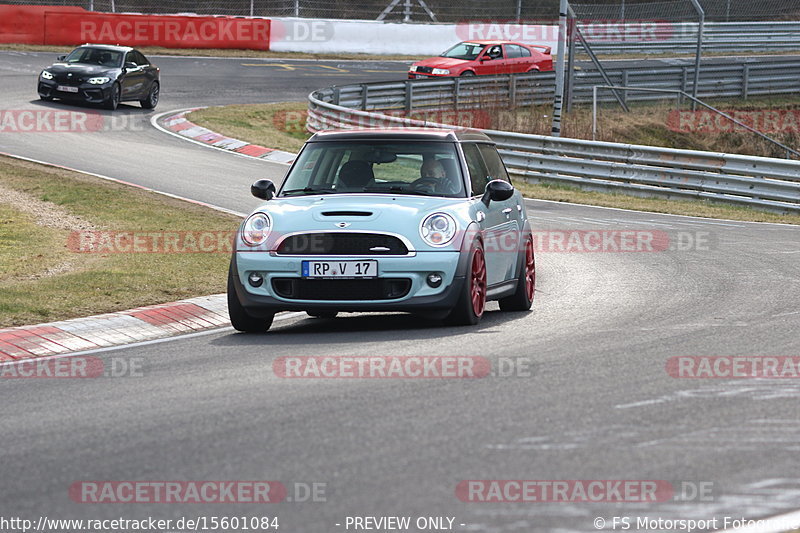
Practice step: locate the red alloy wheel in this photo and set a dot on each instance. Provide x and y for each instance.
(530, 271)
(478, 282)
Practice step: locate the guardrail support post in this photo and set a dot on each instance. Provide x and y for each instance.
(512, 92)
(337, 95)
(408, 97)
(456, 91)
(364, 90)
(745, 80)
(625, 84)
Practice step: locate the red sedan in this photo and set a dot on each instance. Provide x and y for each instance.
(485, 58)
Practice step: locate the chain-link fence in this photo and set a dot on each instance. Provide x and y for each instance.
(449, 11)
(682, 10)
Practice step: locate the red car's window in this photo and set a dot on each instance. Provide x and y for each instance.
(466, 51)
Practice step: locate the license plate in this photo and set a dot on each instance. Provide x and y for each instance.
(66, 89)
(340, 269)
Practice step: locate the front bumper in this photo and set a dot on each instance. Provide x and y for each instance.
(86, 92)
(424, 75)
(419, 297)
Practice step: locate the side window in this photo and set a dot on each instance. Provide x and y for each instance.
(497, 170)
(495, 52)
(524, 52)
(140, 59)
(477, 169)
(130, 57)
(513, 51)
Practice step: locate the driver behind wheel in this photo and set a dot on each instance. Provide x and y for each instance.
(434, 170)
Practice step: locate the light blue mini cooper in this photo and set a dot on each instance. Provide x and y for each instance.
(417, 220)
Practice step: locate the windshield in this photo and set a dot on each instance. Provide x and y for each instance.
(95, 56)
(416, 168)
(467, 51)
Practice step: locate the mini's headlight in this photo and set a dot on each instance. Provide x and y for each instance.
(99, 81)
(441, 71)
(46, 75)
(438, 229)
(412, 68)
(256, 229)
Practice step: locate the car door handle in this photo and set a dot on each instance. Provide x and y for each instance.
(507, 212)
(480, 216)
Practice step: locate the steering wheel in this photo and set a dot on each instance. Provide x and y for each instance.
(425, 184)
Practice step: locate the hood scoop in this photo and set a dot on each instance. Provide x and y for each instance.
(346, 213)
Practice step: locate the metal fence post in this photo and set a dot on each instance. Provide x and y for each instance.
(745, 80)
(512, 92)
(625, 84)
(364, 95)
(408, 97)
(456, 92)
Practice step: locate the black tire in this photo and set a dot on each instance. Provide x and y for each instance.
(472, 301)
(467, 73)
(322, 314)
(151, 101)
(240, 320)
(46, 98)
(522, 299)
(112, 102)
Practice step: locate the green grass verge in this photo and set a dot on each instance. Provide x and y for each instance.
(41, 279)
(257, 123)
(280, 126)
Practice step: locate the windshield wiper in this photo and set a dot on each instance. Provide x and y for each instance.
(315, 190)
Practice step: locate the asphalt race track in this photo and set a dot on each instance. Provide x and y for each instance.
(595, 404)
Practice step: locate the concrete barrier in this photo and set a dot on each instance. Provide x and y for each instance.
(373, 37)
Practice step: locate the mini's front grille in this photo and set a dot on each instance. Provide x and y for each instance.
(342, 243)
(341, 289)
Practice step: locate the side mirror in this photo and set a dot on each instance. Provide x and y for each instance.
(60, 58)
(497, 191)
(484, 58)
(130, 66)
(263, 189)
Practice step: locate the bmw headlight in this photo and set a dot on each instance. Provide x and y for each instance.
(46, 75)
(99, 81)
(441, 71)
(256, 229)
(412, 68)
(438, 229)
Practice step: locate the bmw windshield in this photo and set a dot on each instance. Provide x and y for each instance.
(417, 168)
(95, 56)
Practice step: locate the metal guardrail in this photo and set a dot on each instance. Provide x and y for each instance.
(670, 37)
(742, 80)
(766, 183)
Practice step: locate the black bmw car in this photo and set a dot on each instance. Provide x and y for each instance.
(102, 74)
